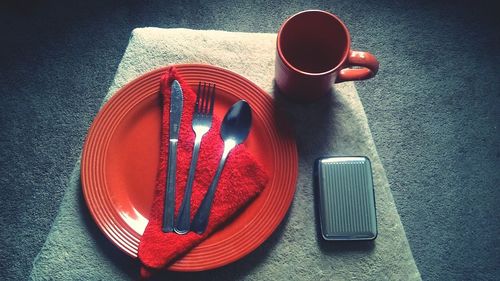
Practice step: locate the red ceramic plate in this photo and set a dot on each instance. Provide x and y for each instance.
(120, 161)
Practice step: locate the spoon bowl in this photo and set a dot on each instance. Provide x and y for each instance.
(237, 122)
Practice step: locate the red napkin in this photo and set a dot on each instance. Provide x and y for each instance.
(242, 179)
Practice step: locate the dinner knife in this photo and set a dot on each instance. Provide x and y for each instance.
(175, 121)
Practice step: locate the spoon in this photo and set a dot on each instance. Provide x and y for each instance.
(234, 130)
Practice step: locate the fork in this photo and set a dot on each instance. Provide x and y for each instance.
(202, 121)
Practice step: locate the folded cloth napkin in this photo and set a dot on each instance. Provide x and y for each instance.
(158, 249)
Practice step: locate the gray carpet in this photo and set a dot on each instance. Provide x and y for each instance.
(433, 110)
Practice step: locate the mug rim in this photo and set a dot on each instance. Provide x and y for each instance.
(344, 55)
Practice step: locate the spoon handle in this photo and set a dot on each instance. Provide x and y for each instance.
(200, 220)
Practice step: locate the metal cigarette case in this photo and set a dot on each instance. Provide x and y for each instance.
(346, 198)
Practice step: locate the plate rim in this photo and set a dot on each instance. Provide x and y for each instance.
(102, 224)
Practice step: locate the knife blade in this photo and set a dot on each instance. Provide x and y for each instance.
(176, 102)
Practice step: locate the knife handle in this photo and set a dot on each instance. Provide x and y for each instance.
(169, 204)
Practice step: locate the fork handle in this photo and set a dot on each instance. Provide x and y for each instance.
(184, 216)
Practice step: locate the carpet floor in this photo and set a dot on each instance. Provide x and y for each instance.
(434, 110)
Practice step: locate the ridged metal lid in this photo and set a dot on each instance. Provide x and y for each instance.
(347, 201)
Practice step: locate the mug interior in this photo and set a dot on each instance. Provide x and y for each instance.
(313, 42)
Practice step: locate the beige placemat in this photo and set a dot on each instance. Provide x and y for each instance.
(76, 250)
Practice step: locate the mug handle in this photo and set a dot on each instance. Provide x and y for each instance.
(368, 63)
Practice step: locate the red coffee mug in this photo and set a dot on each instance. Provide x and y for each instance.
(313, 52)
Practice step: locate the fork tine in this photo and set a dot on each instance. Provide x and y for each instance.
(204, 98)
(209, 96)
(197, 104)
(207, 99)
(212, 100)
(201, 108)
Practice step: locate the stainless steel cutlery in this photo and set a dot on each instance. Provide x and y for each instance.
(176, 101)
(234, 130)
